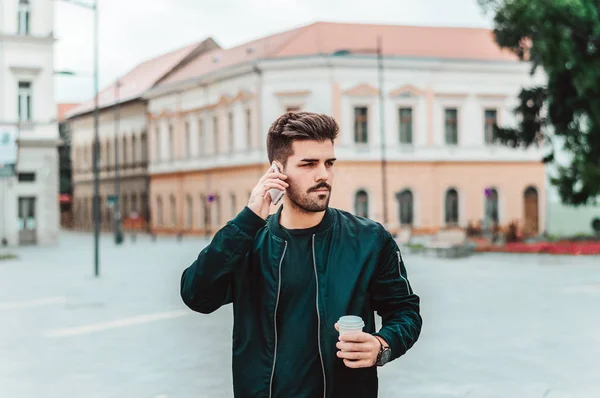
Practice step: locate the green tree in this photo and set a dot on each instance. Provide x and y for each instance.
(563, 38)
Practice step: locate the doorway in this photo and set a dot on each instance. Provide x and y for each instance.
(27, 221)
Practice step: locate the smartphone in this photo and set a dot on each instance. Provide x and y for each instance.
(276, 194)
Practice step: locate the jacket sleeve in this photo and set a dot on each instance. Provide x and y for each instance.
(395, 301)
(206, 284)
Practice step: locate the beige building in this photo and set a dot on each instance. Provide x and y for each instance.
(441, 99)
(123, 126)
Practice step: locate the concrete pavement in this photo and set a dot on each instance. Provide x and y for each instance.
(494, 326)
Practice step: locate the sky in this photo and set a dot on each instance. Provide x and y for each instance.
(132, 31)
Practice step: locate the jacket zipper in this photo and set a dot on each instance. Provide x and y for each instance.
(275, 320)
(319, 319)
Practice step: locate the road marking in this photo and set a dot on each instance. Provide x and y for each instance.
(31, 303)
(120, 323)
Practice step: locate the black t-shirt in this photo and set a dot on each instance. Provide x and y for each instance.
(297, 342)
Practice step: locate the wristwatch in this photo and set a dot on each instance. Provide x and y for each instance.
(384, 355)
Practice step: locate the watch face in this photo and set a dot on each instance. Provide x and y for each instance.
(385, 356)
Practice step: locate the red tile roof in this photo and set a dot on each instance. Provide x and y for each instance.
(329, 37)
(63, 109)
(143, 77)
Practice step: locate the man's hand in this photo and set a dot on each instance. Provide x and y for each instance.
(260, 200)
(358, 350)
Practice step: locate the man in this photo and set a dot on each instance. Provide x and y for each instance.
(292, 275)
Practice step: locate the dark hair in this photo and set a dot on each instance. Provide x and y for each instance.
(298, 126)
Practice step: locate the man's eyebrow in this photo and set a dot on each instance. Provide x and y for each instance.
(316, 160)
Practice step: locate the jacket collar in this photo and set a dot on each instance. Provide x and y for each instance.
(325, 225)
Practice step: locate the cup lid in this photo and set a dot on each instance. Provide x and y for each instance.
(351, 321)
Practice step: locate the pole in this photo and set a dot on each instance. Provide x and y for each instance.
(382, 131)
(96, 147)
(118, 218)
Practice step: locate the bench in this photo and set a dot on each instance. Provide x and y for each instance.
(449, 243)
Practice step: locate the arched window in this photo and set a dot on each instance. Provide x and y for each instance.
(451, 206)
(189, 216)
(405, 202)
(125, 152)
(173, 207)
(491, 205)
(159, 212)
(361, 204)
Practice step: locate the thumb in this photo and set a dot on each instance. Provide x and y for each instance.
(336, 327)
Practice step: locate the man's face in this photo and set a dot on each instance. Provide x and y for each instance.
(310, 175)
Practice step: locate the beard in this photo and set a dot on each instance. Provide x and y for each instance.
(309, 202)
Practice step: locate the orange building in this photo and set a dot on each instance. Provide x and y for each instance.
(438, 103)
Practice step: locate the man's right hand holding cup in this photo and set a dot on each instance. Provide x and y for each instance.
(260, 199)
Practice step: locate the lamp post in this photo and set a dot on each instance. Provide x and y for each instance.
(118, 218)
(94, 7)
(379, 51)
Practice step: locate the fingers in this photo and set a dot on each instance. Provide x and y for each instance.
(353, 355)
(356, 337)
(278, 185)
(354, 347)
(363, 363)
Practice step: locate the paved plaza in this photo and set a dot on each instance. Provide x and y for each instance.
(494, 325)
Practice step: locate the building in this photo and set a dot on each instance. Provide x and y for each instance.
(443, 90)
(122, 130)
(65, 166)
(28, 128)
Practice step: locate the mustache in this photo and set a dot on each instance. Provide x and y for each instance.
(320, 186)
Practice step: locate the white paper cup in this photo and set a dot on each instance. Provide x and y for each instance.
(350, 324)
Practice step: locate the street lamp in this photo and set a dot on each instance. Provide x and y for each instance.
(118, 218)
(94, 7)
(378, 50)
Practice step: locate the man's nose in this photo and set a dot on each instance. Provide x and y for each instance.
(321, 174)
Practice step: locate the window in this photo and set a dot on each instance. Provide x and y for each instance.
(26, 177)
(491, 205)
(248, 129)
(230, 131)
(201, 143)
(490, 122)
(451, 126)
(361, 204)
(23, 17)
(159, 212)
(144, 205)
(217, 210)
(234, 209)
(144, 144)
(405, 199)
(171, 143)
(125, 152)
(189, 216)
(216, 134)
(451, 205)
(361, 133)
(133, 150)
(188, 140)
(125, 206)
(157, 144)
(109, 155)
(173, 206)
(24, 101)
(406, 125)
